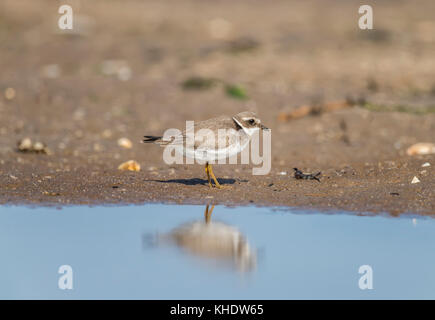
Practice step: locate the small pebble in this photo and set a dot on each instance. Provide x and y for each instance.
(107, 133)
(79, 114)
(79, 134)
(120, 68)
(10, 93)
(124, 73)
(51, 71)
(426, 164)
(98, 147)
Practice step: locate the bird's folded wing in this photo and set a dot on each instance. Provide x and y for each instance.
(206, 134)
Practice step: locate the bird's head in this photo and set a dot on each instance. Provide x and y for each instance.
(249, 122)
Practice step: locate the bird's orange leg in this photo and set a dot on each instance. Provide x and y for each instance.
(207, 170)
(214, 177)
(207, 214)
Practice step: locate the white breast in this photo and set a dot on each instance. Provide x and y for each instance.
(214, 154)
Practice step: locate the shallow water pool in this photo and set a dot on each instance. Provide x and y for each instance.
(190, 252)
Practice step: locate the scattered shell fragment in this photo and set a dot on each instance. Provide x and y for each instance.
(125, 143)
(26, 145)
(38, 146)
(426, 164)
(130, 165)
(48, 193)
(282, 173)
(415, 180)
(421, 148)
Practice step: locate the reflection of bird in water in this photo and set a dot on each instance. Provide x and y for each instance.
(215, 240)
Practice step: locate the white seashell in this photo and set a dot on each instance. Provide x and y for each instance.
(125, 143)
(38, 146)
(421, 148)
(25, 144)
(130, 165)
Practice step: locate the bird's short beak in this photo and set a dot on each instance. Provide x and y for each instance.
(264, 127)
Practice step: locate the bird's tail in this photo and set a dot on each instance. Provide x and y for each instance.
(152, 139)
(157, 140)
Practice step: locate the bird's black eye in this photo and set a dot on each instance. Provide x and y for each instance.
(251, 121)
